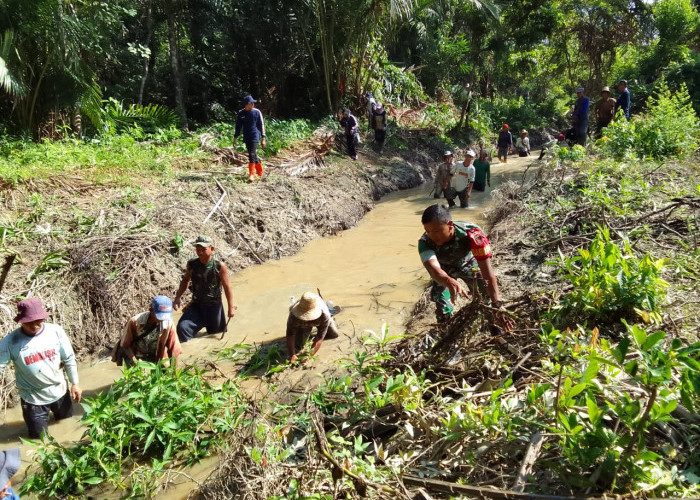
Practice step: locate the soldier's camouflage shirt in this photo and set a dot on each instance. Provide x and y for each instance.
(455, 256)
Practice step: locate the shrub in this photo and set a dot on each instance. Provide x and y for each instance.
(575, 153)
(669, 128)
(152, 415)
(610, 283)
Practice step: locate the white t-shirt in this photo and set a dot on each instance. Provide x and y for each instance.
(37, 362)
(523, 142)
(462, 176)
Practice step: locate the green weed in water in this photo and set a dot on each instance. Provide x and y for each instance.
(153, 416)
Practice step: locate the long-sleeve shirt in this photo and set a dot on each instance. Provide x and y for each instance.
(252, 124)
(505, 139)
(349, 123)
(482, 172)
(623, 103)
(581, 109)
(37, 362)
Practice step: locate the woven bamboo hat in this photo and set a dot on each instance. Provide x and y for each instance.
(309, 307)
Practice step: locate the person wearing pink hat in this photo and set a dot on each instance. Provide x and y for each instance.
(37, 349)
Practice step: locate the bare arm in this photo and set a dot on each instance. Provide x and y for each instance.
(438, 275)
(490, 276)
(228, 290)
(184, 283)
(128, 341)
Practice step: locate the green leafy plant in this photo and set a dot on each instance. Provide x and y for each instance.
(52, 261)
(575, 153)
(155, 416)
(610, 283)
(668, 129)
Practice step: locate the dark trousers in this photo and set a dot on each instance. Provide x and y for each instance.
(581, 132)
(303, 335)
(252, 148)
(209, 315)
(352, 149)
(37, 416)
(479, 186)
(379, 136)
(451, 194)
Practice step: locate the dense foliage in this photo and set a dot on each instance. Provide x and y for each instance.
(62, 63)
(152, 419)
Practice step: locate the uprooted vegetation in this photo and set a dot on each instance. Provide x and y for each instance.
(595, 391)
(569, 402)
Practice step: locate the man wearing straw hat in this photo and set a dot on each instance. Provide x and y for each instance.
(10, 461)
(37, 349)
(308, 312)
(604, 109)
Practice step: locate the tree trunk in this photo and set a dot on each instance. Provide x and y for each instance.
(146, 60)
(176, 68)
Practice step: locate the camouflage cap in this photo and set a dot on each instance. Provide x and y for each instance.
(203, 241)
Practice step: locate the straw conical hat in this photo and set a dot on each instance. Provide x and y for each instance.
(309, 307)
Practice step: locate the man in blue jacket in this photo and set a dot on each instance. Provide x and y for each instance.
(580, 116)
(250, 120)
(623, 102)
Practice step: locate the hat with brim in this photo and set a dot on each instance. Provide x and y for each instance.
(605, 89)
(580, 90)
(10, 461)
(523, 132)
(308, 308)
(379, 105)
(248, 100)
(203, 241)
(30, 310)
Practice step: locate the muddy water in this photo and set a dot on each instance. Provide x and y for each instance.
(372, 271)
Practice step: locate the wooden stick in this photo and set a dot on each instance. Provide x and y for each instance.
(531, 455)
(9, 260)
(479, 492)
(215, 207)
(250, 247)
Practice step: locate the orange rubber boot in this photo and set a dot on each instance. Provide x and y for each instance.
(259, 169)
(251, 172)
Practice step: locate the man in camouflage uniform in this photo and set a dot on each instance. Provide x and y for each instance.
(452, 250)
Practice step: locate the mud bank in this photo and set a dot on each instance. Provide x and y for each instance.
(97, 253)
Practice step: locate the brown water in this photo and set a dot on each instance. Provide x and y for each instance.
(373, 271)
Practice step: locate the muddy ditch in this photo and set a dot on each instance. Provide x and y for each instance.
(97, 253)
(475, 428)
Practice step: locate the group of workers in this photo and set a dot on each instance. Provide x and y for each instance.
(606, 108)
(40, 351)
(458, 180)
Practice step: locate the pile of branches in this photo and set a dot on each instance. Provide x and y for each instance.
(300, 157)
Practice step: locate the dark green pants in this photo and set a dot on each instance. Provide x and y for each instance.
(439, 294)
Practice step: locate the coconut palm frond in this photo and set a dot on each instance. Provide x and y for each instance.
(491, 8)
(13, 86)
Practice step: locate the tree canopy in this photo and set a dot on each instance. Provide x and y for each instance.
(65, 58)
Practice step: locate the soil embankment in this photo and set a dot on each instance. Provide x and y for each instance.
(97, 253)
